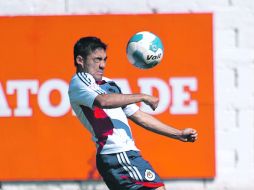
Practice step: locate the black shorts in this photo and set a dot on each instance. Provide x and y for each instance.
(127, 170)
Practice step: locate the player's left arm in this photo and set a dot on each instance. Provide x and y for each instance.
(152, 124)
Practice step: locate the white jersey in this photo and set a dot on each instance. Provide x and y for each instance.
(109, 127)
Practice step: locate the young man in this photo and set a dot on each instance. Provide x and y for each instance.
(103, 110)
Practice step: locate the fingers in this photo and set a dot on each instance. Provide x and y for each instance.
(193, 131)
(152, 101)
(155, 103)
(194, 135)
(191, 139)
(190, 135)
(154, 106)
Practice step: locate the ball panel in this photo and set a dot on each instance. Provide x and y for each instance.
(136, 38)
(139, 60)
(132, 46)
(148, 36)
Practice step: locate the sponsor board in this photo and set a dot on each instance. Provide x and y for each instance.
(40, 137)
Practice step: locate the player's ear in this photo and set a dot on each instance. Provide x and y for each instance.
(80, 60)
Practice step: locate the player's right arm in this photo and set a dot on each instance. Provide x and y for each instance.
(121, 100)
(84, 91)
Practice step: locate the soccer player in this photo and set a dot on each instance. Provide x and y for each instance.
(104, 111)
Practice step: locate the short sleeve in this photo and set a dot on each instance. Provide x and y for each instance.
(83, 90)
(130, 109)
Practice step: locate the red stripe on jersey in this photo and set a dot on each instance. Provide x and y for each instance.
(101, 82)
(101, 124)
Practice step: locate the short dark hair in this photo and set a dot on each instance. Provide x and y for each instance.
(86, 45)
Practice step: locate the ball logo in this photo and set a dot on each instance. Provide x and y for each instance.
(153, 57)
(149, 175)
(154, 47)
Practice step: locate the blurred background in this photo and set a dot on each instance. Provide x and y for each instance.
(233, 75)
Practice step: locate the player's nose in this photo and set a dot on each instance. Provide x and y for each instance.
(102, 64)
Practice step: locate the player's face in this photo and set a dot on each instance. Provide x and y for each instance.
(95, 63)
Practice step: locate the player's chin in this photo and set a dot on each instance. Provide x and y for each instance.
(98, 77)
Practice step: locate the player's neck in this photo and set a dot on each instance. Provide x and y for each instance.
(79, 69)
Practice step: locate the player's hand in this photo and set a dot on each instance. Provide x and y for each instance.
(151, 101)
(189, 135)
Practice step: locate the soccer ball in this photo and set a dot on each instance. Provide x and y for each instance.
(144, 50)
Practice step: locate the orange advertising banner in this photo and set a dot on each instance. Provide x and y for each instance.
(40, 137)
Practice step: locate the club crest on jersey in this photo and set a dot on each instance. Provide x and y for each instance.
(149, 175)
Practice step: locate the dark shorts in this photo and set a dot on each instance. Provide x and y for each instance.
(127, 170)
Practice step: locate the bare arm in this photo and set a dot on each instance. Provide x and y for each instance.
(151, 123)
(119, 100)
